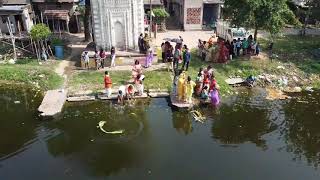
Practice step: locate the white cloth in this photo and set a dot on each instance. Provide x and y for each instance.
(108, 91)
(113, 57)
(86, 58)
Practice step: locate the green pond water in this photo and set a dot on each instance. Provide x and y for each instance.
(247, 137)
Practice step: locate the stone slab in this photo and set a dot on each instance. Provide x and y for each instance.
(115, 97)
(158, 94)
(52, 103)
(81, 98)
(104, 97)
(177, 104)
(233, 81)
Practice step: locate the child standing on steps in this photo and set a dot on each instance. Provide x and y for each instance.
(107, 84)
(86, 59)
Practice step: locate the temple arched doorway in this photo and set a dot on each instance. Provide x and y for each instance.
(120, 39)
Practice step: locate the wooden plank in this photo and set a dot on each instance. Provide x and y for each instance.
(81, 98)
(52, 103)
(233, 81)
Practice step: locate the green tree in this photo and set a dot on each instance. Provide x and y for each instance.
(160, 15)
(269, 15)
(39, 33)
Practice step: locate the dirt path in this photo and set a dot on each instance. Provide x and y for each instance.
(65, 67)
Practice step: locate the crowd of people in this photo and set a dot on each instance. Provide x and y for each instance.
(222, 51)
(205, 87)
(100, 58)
(179, 55)
(126, 91)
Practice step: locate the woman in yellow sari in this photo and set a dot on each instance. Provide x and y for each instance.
(189, 89)
(181, 86)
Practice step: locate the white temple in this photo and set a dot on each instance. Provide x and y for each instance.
(117, 23)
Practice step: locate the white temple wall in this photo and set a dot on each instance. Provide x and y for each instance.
(117, 23)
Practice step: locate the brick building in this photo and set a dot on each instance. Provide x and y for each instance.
(194, 14)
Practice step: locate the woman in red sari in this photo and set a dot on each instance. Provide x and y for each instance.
(223, 52)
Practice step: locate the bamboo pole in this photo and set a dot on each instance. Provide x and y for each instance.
(23, 49)
(12, 38)
(59, 28)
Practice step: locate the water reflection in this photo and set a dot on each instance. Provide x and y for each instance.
(18, 120)
(101, 153)
(243, 119)
(75, 143)
(302, 128)
(182, 122)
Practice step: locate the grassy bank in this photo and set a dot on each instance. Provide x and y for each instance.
(29, 72)
(93, 80)
(295, 61)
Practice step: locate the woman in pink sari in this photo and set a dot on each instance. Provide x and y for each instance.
(149, 59)
(136, 69)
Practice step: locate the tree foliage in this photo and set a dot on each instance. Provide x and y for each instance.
(160, 14)
(40, 32)
(269, 15)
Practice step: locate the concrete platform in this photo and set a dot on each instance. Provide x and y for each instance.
(158, 94)
(104, 97)
(181, 105)
(52, 103)
(81, 98)
(115, 97)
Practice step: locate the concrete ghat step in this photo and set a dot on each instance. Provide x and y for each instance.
(115, 96)
(52, 103)
(158, 94)
(81, 98)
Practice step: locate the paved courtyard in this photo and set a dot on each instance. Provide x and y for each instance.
(189, 37)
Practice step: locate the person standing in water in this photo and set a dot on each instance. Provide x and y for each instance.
(113, 56)
(214, 96)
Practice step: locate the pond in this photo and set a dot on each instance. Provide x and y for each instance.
(247, 137)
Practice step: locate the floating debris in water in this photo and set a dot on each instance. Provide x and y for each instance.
(198, 116)
(17, 102)
(102, 123)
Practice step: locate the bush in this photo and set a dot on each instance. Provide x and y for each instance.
(40, 32)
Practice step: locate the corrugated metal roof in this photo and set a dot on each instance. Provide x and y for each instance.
(12, 8)
(153, 2)
(9, 2)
